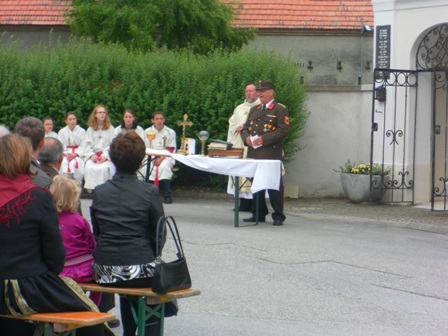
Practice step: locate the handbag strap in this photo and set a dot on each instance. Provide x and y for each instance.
(171, 223)
(160, 235)
(161, 232)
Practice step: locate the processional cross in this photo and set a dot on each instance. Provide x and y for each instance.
(184, 141)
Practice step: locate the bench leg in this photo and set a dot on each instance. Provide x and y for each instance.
(236, 188)
(145, 312)
(48, 331)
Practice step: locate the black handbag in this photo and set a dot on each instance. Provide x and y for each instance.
(169, 276)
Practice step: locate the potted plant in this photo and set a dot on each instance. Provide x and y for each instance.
(355, 180)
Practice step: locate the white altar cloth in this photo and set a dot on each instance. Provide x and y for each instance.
(266, 173)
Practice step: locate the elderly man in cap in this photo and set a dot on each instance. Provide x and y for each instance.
(267, 125)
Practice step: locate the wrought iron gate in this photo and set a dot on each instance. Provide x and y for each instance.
(432, 56)
(395, 125)
(393, 132)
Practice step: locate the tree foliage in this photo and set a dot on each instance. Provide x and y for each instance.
(200, 25)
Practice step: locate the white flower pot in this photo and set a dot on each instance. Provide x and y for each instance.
(357, 187)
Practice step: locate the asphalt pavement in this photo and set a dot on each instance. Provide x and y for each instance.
(334, 268)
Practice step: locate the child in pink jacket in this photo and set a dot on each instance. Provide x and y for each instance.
(76, 232)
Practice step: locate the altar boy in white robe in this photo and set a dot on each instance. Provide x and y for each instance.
(162, 167)
(71, 137)
(95, 148)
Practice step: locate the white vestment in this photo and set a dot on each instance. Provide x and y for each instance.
(51, 134)
(95, 142)
(165, 138)
(239, 117)
(72, 140)
(138, 130)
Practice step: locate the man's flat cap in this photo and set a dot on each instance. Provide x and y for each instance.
(265, 85)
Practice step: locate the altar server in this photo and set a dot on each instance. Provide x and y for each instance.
(71, 137)
(95, 148)
(161, 172)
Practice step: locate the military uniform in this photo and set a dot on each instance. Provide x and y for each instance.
(272, 124)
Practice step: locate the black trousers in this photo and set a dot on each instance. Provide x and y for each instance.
(276, 199)
(165, 187)
(107, 302)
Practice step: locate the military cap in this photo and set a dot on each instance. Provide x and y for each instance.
(265, 85)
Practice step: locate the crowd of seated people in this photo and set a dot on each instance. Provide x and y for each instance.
(40, 205)
(86, 153)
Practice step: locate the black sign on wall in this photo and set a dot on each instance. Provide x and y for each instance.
(382, 47)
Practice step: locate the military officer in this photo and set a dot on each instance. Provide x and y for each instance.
(263, 132)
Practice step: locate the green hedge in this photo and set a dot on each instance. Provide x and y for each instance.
(49, 81)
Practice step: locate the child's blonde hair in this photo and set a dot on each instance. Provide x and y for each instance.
(65, 193)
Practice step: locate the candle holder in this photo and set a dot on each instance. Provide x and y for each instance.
(203, 136)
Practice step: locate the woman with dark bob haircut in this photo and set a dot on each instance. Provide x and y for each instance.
(124, 214)
(125, 152)
(31, 250)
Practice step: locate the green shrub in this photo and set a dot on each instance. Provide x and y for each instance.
(49, 81)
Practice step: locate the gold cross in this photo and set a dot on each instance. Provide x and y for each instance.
(184, 124)
(184, 142)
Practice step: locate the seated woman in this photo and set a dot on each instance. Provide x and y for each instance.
(48, 125)
(129, 124)
(71, 137)
(95, 149)
(32, 254)
(126, 234)
(76, 233)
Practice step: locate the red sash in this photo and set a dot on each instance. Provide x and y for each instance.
(73, 148)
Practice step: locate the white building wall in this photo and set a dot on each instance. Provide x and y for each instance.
(338, 129)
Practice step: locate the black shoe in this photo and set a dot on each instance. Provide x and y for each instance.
(251, 219)
(114, 323)
(277, 222)
(168, 200)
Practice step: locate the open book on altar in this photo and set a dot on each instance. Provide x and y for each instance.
(220, 145)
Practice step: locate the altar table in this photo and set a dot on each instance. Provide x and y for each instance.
(265, 173)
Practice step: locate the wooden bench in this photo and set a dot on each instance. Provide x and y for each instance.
(65, 321)
(142, 297)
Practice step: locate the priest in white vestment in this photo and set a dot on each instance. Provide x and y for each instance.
(95, 148)
(236, 123)
(71, 137)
